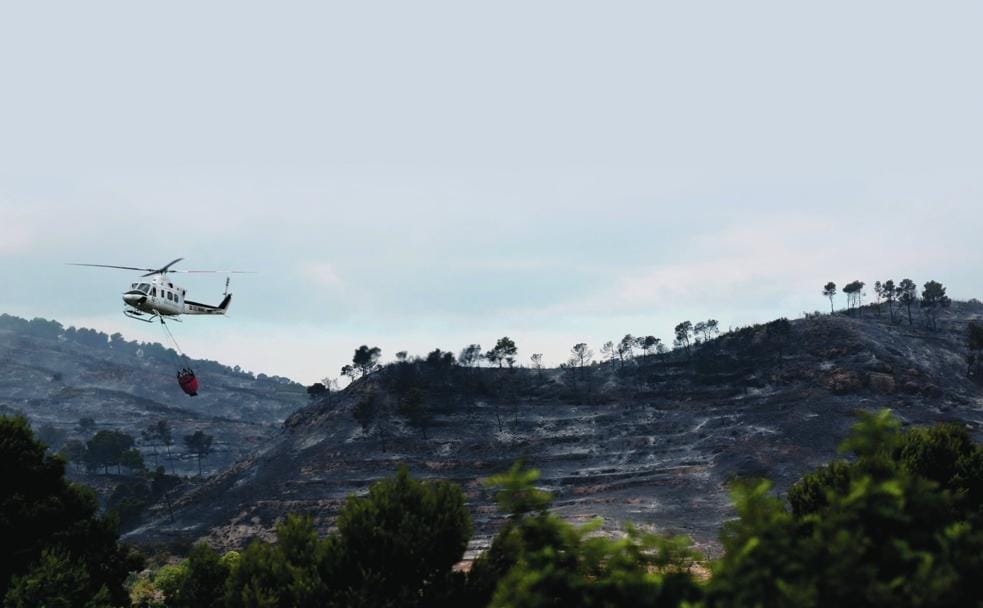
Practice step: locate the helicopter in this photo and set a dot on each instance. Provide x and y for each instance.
(159, 297)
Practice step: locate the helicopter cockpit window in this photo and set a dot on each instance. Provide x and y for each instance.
(153, 292)
(143, 287)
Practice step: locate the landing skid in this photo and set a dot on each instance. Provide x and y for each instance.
(139, 315)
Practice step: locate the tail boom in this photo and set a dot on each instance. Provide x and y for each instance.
(197, 308)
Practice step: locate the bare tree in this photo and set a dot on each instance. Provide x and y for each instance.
(470, 355)
(366, 359)
(890, 293)
(504, 351)
(647, 344)
(199, 444)
(829, 290)
(699, 328)
(907, 293)
(683, 332)
(625, 349)
(854, 294)
(933, 301)
(580, 355)
(609, 351)
(708, 329)
(974, 337)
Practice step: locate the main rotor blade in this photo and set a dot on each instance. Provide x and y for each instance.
(164, 269)
(109, 266)
(214, 271)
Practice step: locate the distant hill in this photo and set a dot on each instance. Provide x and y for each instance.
(651, 441)
(57, 375)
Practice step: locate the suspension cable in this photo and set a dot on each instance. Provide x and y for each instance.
(177, 347)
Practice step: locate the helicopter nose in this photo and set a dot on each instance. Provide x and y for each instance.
(132, 298)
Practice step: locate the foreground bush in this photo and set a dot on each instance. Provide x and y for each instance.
(394, 547)
(53, 541)
(898, 525)
(540, 560)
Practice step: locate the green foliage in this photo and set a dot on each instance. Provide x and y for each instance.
(145, 594)
(40, 511)
(170, 578)
(516, 494)
(898, 525)
(946, 455)
(292, 572)
(400, 541)
(812, 492)
(576, 569)
(107, 448)
(540, 560)
(128, 500)
(394, 547)
(202, 582)
(56, 581)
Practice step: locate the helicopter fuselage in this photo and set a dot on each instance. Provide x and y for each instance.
(162, 297)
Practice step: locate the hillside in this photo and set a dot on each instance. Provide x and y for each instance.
(653, 441)
(57, 375)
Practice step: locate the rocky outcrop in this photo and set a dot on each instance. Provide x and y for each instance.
(881, 382)
(843, 382)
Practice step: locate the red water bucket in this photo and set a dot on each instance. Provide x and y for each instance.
(189, 384)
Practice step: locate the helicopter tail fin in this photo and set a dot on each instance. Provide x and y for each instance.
(224, 306)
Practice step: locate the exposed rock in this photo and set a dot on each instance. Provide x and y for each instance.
(843, 382)
(882, 383)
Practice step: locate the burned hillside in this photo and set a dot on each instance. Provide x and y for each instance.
(652, 439)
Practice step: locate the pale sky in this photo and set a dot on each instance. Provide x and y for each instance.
(416, 175)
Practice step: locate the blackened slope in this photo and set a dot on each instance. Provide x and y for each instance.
(56, 375)
(653, 442)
